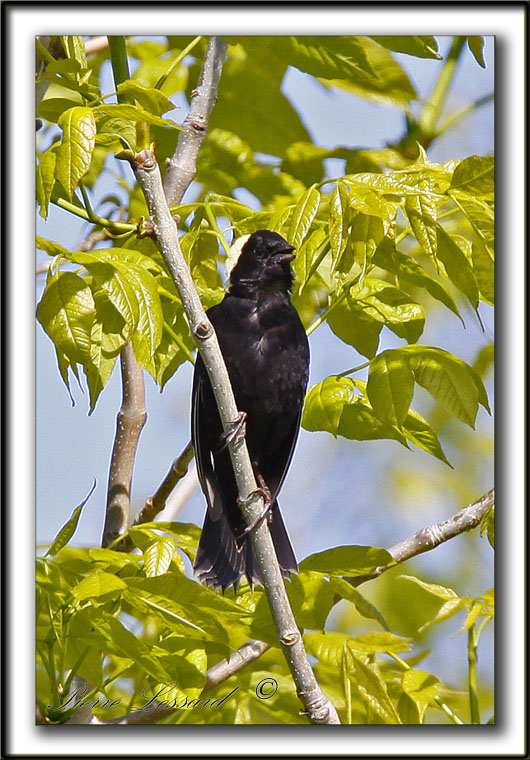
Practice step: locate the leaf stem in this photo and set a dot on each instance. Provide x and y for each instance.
(441, 704)
(120, 66)
(82, 212)
(354, 369)
(327, 311)
(44, 52)
(433, 108)
(215, 226)
(472, 641)
(178, 60)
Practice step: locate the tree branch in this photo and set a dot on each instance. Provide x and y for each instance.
(316, 704)
(182, 167)
(433, 535)
(130, 421)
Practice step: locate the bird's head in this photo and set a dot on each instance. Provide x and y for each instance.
(261, 261)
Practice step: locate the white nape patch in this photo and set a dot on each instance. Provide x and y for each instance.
(235, 252)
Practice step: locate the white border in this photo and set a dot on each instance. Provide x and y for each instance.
(508, 23)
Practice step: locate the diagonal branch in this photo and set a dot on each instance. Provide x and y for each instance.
(433, 535)
(182, 167)
(316, 704)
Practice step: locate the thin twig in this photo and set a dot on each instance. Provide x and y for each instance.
(182, 167)
(96, 44)
(432, 536)
(155, 504)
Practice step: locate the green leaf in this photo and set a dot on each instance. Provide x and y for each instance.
(359, 317)
(100, 630)
(149, 99)
(339, 221)
(74, 47)
(50, 247)
(148, 334)
(457, 266)
(355, 325)
(442, 592)
(68, 530)
(410, 271)
(51, 108)
(374, 692)
(329, 647)
(158, 556)
(367, 231)
(487, 525)
(365, 608)
(312, 596)
(421, 213)
(66, 312)
(421, 688)
(475, 175)
(306, 255)
(74, 153)
(484, 269)
(268, 123)
(451, 601)
(347, 560)
(420, 433)
(326, 57)
(47, 163)
(448, 379)
(447, 610)
(368, 201)
(183, 533)
(480, 213)
(476, 45)
(421, 47)
(390, 386)
(332, 405)
(389, 84)
(305, 211)
(119, 290)
(325, 402)
(132, 114)
(98, 585)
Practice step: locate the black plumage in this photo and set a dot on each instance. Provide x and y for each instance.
(266, 352)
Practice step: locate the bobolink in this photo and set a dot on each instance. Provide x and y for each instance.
(265, 348)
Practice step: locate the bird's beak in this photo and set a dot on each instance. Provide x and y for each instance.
(285, 257)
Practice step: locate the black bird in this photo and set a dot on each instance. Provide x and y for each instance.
(265, 348)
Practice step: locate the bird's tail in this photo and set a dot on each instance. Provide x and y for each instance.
(221, 562)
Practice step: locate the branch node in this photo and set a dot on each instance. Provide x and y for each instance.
(290, 638)
(203, 330)
(145, 160)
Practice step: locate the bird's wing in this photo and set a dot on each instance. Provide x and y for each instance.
(285, 454)
(200, 437)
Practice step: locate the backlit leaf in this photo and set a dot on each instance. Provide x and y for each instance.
(390, 386)
(303, 215)
(74, 153)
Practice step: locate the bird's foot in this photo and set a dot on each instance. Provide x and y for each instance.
(265, 494)
(237, 432)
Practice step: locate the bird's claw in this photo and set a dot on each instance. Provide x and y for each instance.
(237, 433)
(265, 494)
